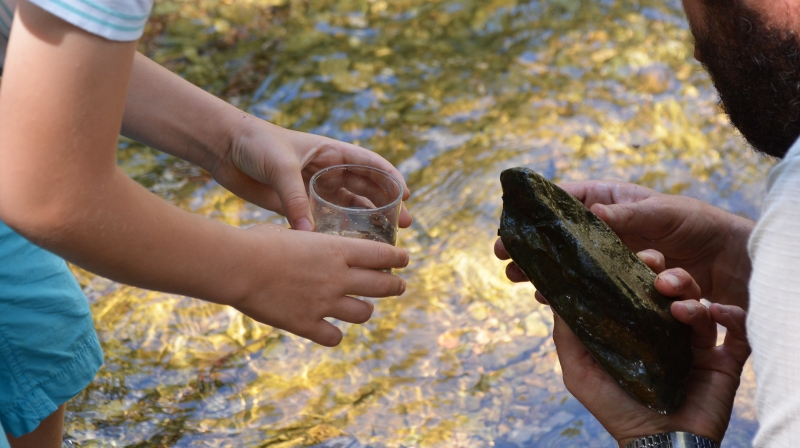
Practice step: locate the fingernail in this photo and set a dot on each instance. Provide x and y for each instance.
(402, 289)
(303, 224)
(690, 307)
(646, 258)
(371, 304)
(724, 309)
(672, 280)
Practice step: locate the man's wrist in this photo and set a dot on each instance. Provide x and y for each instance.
(675, 439)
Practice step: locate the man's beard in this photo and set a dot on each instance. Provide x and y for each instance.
(756, 70)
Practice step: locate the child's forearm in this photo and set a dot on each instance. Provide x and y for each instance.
(61, 106)
(130, 235)
(166, 112)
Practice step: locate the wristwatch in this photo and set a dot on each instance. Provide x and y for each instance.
(673, 440)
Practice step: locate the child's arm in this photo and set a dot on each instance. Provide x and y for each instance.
(260, 162)
(61, 108)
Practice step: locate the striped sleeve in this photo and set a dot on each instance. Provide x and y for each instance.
(119, 20)
(7, 8)
(6, 16)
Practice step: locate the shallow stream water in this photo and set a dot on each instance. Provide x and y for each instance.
(451, 92)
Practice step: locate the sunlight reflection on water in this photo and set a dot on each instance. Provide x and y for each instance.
(452, 92)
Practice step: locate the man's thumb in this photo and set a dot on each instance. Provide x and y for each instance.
(624, 219)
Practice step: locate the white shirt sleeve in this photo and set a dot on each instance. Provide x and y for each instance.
(120, 20)
(773, 322)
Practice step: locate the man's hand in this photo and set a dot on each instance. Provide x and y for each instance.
(709, 243)
(711, 386)
(270, 166)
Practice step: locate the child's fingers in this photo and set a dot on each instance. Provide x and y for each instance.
(515, 274)
(372, 254)
(405, 217)
(653, 259)
(370, 283)
(500, 250)
(323, 333)
(733, 319)
(350, 309)
(679, 284)
(698, 317)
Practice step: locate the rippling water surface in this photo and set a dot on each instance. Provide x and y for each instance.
(452, 92)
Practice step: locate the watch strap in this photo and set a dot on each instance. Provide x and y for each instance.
(672, 440)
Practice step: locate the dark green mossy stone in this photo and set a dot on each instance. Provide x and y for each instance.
(599, 287)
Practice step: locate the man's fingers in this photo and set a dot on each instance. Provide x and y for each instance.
(372, 254)
(350, 309)
(622, 218)
(697, 316)
(636, 218)
(590, 192)
(607, 192)
(540, 298)
(515, 274)
(677, 283)
(653, 259)
(733, 319)
(500, 250)
(370, 283)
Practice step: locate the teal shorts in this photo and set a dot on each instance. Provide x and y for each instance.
(49, 350)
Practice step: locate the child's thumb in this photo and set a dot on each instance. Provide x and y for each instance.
(292, 191)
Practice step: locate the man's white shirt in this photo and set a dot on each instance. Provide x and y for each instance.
(773, 322)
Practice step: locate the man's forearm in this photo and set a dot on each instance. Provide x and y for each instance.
(166, 112)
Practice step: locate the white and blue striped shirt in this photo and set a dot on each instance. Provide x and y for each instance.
(120, 20)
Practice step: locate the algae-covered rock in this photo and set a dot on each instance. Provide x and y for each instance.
(599, 287)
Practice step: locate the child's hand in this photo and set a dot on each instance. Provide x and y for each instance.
(270, 166)
(299, 278)
(260, 162)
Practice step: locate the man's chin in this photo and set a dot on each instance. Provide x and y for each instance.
(763, 120)
(756, 71)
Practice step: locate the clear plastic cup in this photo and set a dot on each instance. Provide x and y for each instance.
(356, 201)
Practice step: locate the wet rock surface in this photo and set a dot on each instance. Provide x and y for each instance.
(599, 287)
